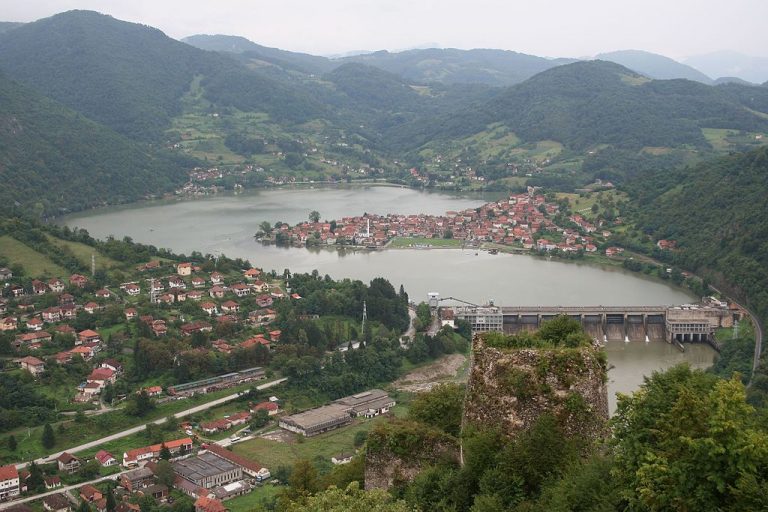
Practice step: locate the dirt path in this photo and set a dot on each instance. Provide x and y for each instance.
(445, 369)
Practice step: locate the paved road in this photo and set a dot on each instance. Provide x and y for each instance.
(758, 334)
(140, 428)
(7, 504)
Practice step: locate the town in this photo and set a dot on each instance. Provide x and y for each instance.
(180, 349)
(526, 221)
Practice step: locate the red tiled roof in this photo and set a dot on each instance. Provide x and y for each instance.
(8, 472)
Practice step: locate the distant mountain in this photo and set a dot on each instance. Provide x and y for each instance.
(282, 58)
(596, 102)
(728, 63)
(5, 26)
(732, 80)
(489, 67)
(654, 66)
(129, 76)
(53, 160)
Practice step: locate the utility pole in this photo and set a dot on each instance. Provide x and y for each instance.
(365, 318)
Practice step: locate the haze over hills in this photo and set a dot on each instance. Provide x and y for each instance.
(372, 108)
(5, 26)
(655, 66)
(254, 52)
(430, 65)
(729, 63)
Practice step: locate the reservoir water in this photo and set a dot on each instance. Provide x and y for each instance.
(225, 224)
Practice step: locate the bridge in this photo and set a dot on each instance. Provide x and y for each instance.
(674, 324)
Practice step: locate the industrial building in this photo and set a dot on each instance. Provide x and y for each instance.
(208, 470)
(339, 413)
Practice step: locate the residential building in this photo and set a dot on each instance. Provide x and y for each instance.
(33, 365)
(105, 458)
(141, 456)
(90, 494)
(57, 503)
(9, 482)
(137, 479)
(206, 504)
(68, 463)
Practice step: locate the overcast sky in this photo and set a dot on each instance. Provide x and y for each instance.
(555, 28)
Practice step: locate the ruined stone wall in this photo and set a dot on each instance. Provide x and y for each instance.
(510, 389)
(396, 452)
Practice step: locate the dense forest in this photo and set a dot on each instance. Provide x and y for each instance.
(589, 103)
(55, 160)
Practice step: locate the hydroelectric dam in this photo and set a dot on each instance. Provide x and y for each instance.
(689, 323)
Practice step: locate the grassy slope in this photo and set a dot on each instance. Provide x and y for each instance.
(34, 263)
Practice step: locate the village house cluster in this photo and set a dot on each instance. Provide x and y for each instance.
(220, 299)
(522, 220)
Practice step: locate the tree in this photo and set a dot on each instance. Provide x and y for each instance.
(688, 441)
(303, 479)
(111, 503)
(35, 482)
(260, 419)
(164, 473)
(165, 453)
(84, 507)
(351, 499)
(12, 443)
(108, 393)
(440, 407)
(314, 216)
(48, 438)
(139, 404)
(90, 469)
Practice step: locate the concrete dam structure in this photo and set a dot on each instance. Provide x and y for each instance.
(690, 323)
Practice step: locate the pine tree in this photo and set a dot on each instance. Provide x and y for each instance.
(165, 453)
(49, 438)
(12, 443)
(111, 503)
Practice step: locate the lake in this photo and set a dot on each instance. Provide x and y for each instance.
(225, 224)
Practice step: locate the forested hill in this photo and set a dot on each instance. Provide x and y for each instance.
(717, 213)
(655, 66)
(450, 65)
(256, 52)
(53, 160)
(128, 76)
(595, 102)
(424, 66)
(125, 75)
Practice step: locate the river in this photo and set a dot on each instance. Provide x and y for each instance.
(225, 224)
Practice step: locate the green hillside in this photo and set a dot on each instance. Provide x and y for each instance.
(252, 52)
(130, 76)
(596, 102)
(717, 213)
(57, 161)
